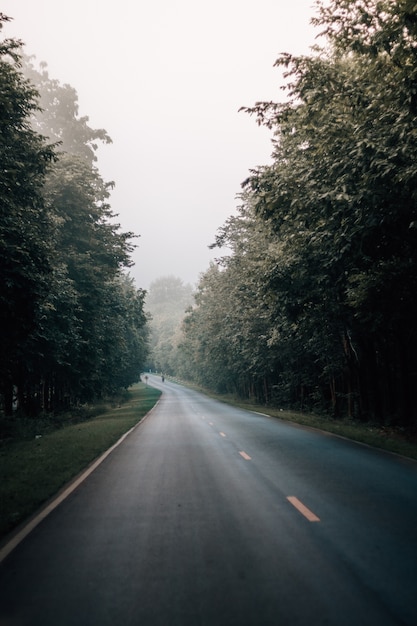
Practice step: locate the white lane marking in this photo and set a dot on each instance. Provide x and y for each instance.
(222, 434)
(211, 424)
(245, 456)
(303, 509)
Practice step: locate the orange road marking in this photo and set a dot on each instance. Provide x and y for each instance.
(245, 456)
(303, 509)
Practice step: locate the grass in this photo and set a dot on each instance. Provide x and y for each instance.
(375, 435)
(39, 457)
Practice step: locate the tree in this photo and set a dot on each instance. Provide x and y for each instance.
(74, 327)
(226, 343)
(337, 272)
(58, 114)
(166, 303)
(91, 253)
(26, 230)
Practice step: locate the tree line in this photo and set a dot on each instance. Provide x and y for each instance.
(316, 304)
(167, 300)
(72, 322)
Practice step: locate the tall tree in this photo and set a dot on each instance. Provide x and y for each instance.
(26, 230)
(58, 114)
(166, 303)
(339, 203)
(74, 326)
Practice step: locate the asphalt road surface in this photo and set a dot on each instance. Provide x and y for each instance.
(207, 515)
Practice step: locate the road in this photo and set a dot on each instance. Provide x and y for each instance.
(208, 515)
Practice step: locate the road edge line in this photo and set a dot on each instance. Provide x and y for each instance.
(20, 535)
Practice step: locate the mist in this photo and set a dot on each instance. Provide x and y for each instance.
(166, 80)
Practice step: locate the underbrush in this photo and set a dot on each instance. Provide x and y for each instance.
(19, 427)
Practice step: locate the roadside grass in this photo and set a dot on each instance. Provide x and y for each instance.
(40, 458)
(384, 438)
(373, 435)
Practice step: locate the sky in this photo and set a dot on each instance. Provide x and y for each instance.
(166, 80)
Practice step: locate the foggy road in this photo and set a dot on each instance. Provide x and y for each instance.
(208, 515)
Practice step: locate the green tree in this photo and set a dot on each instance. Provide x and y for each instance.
(166, 302)
(92, 252)
(74, 326)
(26, 230)
(337, 273)
(106, 321)
(227, 344)
(58, 114)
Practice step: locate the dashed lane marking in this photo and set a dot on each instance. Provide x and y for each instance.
(245, 456)
(303, 509)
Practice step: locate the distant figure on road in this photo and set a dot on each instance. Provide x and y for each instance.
(163, 378)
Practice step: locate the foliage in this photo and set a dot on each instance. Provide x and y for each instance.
(72, 322)
(166, 303)
(25, 223)
(317, 298)
(59, 120)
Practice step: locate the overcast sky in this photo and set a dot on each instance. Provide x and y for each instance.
(166, 79)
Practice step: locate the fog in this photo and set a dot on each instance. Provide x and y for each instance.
(166, 80)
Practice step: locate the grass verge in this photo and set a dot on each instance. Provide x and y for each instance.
(384, 438)
(33, 470)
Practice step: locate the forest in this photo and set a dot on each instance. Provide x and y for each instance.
(315, 306)
(72, 322)
(312, 307)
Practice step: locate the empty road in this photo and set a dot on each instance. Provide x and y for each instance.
(208, 515)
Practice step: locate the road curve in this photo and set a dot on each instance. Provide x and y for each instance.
(208, 515)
